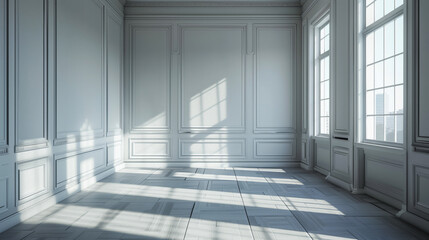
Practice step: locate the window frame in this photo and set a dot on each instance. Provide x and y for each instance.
(366, 30)
(323, 21)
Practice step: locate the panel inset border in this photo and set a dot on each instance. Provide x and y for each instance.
(337, 154)
(75, 136)
(239, 144)
(132, 31)
(164, 144)
(3, 78)
(293, 29)
(420, 142)
(290, 143)
(31, 144)
(221, 129)
(419, 174)
(21, 168)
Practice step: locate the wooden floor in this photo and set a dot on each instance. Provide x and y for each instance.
(215, 204)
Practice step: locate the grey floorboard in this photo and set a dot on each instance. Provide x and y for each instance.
(210, 203)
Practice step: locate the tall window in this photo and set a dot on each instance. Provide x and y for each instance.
(322, 75)
(384, 70)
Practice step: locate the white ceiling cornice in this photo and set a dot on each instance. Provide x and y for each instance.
(214, 3)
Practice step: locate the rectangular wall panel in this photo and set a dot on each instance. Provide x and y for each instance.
(384, 176)
(3, 194)
(322, 154)
(153, 148)
(7, 189)
(150, 79)
(114, 153)
(212, 80)
(80, 77)
(275, 83)
(341, 161)
(3, 76)
(342, 76)
(72, 167)
(30, 75)
(114, 72)
(32, 179)
(212, 148)
(274, 148)
(421, 188)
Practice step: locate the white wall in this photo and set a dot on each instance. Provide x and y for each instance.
(62, 128)
(207, 91)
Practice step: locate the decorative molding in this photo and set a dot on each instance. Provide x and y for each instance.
(293, 29)
(211, 3)
(132, 31)
(420, 172)
(421, 143)
(257, 144)
(61, 138)
(76, 179)
(241, 145)
(4, 77)
(113, 147)
(160, 142)
(21, 168)
(119, 20)
(201, 129)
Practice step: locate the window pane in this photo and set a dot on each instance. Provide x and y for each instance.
(399, 69)
(390, 128)
(322, 69)
(398, 3)
(379, 128)
(369, 14)
(399, 34)
(322, 46)
(370, 77)
(378, 78)
(327, 29)
(324, 108)
(379, 101)
(399, 129)
(389, 36)
(370, 48)
(389, 100)
(378, 9)
(370, 128)
(379, 48)
(370, 103)
(327, 43)
(324, 125)
(326, 76)
(324, 90)
(389, 72)
(399, 99)
(389, 5)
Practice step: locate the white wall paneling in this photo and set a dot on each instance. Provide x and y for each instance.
(31, 74)
(322, 155)
(32, 179)
(114, 153)
(212, 78)
(150, 148)
(421, 114)
(275, 73)
(150, 78)
(80, 76)
(196, 104)
(6, 190)
(71, 168)
(114, 26)
(61, 66)
(274, 148)
(3, 77)
(212, 148)
(341, 163)
(421, 184)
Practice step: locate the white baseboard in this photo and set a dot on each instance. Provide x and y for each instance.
(415, 220)
(50, 201)
(305, 166)
(383, 197)
(210, 164)
(340, 183)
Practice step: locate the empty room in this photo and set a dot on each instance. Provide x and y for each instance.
(214, 119)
